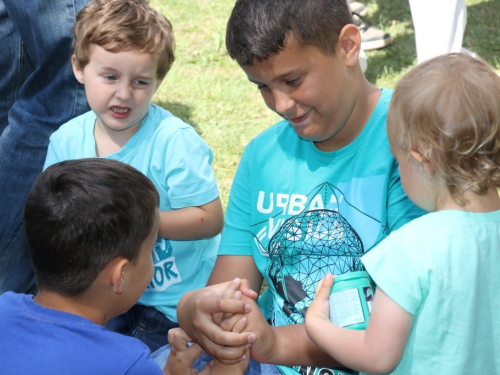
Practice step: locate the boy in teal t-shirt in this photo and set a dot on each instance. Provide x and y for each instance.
(122, 50)
(313, 192)
(436, 309)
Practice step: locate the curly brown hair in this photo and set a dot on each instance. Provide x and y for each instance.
(123, 25)
(448, 109)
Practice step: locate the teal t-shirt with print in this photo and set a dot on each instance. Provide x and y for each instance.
(301, 212)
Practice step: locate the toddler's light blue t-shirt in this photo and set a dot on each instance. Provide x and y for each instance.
(443, 268)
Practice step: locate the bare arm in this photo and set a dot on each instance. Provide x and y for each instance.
(286, 345)
(229, 267)
(191, 223)
(296, 349)
(194, 314)
(377, 350)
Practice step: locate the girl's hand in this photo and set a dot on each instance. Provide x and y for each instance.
(319, 310)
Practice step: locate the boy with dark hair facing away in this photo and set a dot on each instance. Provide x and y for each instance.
(312, 193)
(90, 226)
(122, 50)
(436, 307)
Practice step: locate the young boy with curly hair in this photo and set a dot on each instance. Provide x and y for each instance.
(122, 50)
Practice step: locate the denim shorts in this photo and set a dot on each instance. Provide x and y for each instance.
(146, 323)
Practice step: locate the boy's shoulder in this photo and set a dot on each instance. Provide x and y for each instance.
(82, 123)
(8, 300)
(379, 113)
(162, 128)
(162, 121)
(85, 345)
(161, 116)
(385, 99)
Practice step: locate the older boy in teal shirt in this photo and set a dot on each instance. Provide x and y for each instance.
(312, 193)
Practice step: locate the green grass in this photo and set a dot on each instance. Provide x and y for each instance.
(209, 91)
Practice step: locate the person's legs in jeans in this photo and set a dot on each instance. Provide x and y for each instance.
(38, 93)
(146, 323)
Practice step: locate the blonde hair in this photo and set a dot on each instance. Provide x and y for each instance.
(448, 109)
(123, 25)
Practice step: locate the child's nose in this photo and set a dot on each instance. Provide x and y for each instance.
(124, 92)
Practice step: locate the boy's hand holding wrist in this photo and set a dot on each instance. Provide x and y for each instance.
(233, 323)
(195, 316)
(262, 334)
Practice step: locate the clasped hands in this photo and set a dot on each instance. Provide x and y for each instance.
(226, 322)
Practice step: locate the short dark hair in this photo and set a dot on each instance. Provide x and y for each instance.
(82, 214)
(258, 29)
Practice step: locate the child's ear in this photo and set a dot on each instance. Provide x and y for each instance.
(349, 44)
(417, 156)
(424, 164)
(76, 70)
(118, 274)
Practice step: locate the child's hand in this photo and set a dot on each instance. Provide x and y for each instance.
(182, 356)
(237, 325)
(196, 311)
(317, 320)
(264, 340)
(319, 310)
(219, 368)
(230, 292)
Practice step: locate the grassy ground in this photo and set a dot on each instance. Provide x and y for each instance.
(209, 91)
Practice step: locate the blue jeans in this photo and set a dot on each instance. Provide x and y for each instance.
(254, 368)
(38, 93)
(146, 323)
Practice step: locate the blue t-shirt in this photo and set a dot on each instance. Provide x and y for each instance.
(172, 155)
(37, 340)
(443, 268)
(301, 212)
